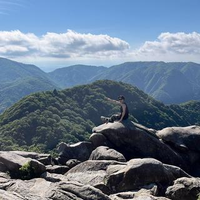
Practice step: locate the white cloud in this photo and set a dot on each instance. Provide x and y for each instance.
(72, 48)
(65, 45)
(173, 43)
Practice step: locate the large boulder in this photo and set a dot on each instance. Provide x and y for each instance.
(40, 189)
(135, 141)
(92, 172)
(105, 153)
(14, 163)
(140, 172)
(98, 139)
(185, 141)
(44, 158)
(184, 189)
(182, 137)
(80, 151)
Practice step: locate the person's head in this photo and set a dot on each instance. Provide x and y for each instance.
(121, 98)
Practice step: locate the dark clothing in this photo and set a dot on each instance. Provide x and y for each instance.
(126, 112)
(117, 117)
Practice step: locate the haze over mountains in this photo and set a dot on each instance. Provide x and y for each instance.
(18, 80)
(167, 82)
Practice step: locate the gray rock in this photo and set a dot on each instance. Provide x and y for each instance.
(12, 161)
(182, 137)
(105, 153)
(7, 195)
(98, 139)
(72, 163)
(80, 151)
(135, 196)
(147, 191)
(3, 167)
(38, 167)
(184, 189)
(4, 175)
(92, 172)
(184, 140)
(40, 189)
(133, 141)
(45, 159)
(54, 177)
(57, 169)
(140, 172)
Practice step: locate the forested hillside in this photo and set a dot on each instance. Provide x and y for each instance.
(40, 121)
(75, 75)
(18, 80)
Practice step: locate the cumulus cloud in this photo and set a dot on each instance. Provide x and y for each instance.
(173, 43)
(64, 45)
(77, 47)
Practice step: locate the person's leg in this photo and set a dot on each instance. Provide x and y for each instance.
(114, 117)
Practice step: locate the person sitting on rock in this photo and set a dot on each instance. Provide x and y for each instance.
(124, 113)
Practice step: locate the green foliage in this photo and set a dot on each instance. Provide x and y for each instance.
(27, 171)
(19, 80)
(40, 121)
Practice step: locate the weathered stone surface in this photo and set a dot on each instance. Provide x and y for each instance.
(140, 172)
(38, 167)
(57, 169)
(54, 177)
(12, 161)
(3, 167)
(98, 139)
(135, 196)
(133, 141)
(184, 140)
(147, 191)
(4, 175)
(105, 153)
(40, 189)
(7, 195)
(80, 151)
(91, 172)
(184, 189)
(182, 137)
(45, 159)
(72, 163)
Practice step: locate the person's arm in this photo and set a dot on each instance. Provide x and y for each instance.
(112, 100)
(123, 112)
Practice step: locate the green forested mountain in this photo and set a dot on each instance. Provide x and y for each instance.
(40, 121)
(75, 75)
(18, 80)
(168, 82)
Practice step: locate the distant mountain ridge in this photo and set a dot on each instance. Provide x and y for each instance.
(170, 83)
(75, 75)
(176, 82)
(18, 80)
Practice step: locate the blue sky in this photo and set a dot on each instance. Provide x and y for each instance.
(56, 33)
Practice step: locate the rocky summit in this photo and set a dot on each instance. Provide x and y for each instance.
(120, 161)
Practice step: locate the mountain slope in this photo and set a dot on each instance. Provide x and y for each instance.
(18, 80)
(75, 75)
(40, 121)
(166, 82)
